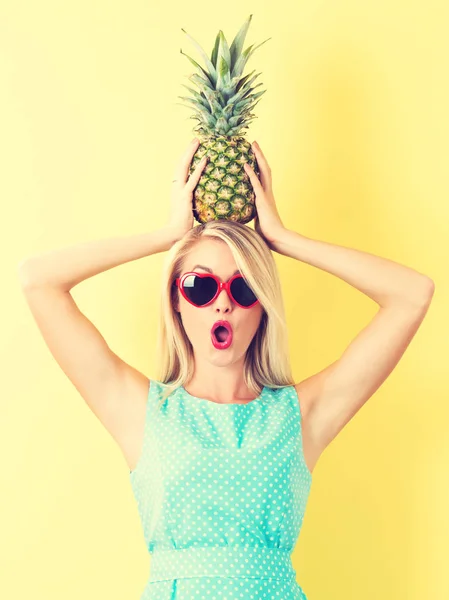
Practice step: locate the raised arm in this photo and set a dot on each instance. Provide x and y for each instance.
(114, 391)
(334, 395)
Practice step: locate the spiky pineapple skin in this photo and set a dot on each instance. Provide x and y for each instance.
(224, 190)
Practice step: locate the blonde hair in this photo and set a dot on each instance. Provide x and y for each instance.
(267, 361)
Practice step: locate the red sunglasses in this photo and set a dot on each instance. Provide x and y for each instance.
(201, 289)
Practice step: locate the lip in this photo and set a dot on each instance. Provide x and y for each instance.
(228, 341)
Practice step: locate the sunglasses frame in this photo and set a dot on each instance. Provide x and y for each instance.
(221, 285)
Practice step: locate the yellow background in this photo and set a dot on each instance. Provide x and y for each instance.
(355, 127)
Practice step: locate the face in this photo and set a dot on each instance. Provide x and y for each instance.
(198, 321)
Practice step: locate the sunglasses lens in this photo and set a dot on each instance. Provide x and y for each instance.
(200, 290)
(242, 292)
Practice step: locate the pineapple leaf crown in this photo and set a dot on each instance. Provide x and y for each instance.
(225, 99)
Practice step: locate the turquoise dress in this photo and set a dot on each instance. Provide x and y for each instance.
(221, 491)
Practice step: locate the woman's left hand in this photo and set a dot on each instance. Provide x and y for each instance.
(267, 223)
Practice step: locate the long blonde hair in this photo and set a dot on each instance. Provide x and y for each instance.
(267, 361)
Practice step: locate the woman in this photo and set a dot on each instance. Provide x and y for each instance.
(221, 447)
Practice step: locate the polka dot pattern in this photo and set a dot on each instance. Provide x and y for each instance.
(221, 491)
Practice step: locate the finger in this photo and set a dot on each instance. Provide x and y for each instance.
(253, 178)
(182, 170)
(264, 167)
(261, 160)
(196, 174)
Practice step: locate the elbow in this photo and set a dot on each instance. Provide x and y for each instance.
(430, 286)
(427, 292)
(23, 272)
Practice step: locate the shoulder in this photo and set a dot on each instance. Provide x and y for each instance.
(305, 398)
(135, 383)
(310, 438)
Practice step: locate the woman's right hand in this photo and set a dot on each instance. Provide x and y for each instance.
(181, 211)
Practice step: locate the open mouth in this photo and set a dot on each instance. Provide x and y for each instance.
(221, 337)
(221, 333)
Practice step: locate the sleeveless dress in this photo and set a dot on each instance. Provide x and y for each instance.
(221, 491)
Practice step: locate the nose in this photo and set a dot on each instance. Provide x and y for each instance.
(223, 300)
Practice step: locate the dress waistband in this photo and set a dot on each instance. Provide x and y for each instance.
(221, 561)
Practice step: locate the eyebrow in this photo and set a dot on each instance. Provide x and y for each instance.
(210, 270)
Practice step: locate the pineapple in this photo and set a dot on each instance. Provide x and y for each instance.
(223, 109)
